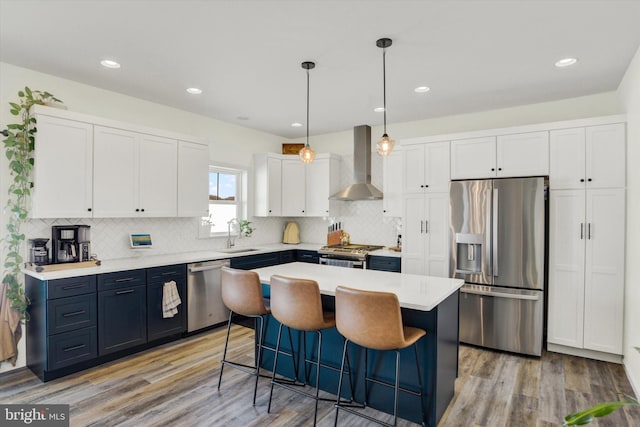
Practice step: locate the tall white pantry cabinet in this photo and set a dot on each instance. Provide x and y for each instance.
(587, 239)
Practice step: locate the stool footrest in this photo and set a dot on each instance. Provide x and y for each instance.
(360, 414)
(391, 385)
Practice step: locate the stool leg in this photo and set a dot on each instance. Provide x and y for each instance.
(260, 332)
(224, 354)
(275, 365)
(315, 412)
(396, 389)
(293, 358)
(337, 405)
(415, 346)
(366, 367)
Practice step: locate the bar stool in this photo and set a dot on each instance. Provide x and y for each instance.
(296, 304)
(373, 320)
(242, 294)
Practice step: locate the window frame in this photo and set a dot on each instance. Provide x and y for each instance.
(240, 201)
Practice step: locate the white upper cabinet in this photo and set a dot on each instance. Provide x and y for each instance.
(134, 174)
(588, 157)
(322, 180)
(605, 156)
(525, 154)
(267, 178)
(193, 179)
(426, 168)
(293, 187)
(473, 158)
(392, 185)
(63, 169)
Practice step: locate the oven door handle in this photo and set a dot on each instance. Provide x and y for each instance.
(500, 294)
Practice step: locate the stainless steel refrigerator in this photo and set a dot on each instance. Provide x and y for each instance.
(498, 249)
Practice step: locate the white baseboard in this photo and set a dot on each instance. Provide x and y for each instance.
(634, 384)
(589, 354)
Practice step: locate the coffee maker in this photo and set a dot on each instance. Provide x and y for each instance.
(70, 243)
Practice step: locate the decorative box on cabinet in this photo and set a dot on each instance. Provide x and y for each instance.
(267, 174)
(193, 179)
(63, 154)
(525, 154)
(61, 331)
(146, 179)
(586, 270)
(159, 326)
(122, 310)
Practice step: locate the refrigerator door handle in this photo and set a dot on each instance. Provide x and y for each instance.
(499, 294)
(494, 245)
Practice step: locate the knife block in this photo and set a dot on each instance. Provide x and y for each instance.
(334, 238)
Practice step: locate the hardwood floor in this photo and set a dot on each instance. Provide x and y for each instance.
(175, 384)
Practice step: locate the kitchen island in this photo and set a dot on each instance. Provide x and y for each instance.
(430, 303)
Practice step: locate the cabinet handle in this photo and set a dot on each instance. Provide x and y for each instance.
(589, 179)
(426, 226)
(421, 186)
(66, 288)
(589, 231)
(421, 226)
(581, 179)
(76, 347)
(493, 169)
(137, 210)
(75, 313)
(128, 291)
(89, 209)
(142, 210)
(426, 186)
(126, 279)
(499, 169)
(168, 273)
(581, 231)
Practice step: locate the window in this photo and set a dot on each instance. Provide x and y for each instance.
(225, 200)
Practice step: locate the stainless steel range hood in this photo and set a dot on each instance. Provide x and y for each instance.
(362, 189)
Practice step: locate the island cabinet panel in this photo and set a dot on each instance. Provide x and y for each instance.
(384, 263)
(122, 311)
(159, 326)
(250, 262)
(62, 327)
(303, 255)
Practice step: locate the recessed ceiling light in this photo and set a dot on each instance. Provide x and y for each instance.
(296, 125)
(194, 90)
(422, 89)
(379, 109)
(566, 62)
(109, 63)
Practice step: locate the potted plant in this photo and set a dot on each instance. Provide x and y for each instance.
(18, 146)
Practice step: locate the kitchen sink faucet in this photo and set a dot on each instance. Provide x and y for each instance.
(230, 241)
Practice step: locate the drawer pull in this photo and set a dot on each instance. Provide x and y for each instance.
(66, 288)
(76, 347)
(128, 291)
(169, 273)
(75, 313)
(126, 279)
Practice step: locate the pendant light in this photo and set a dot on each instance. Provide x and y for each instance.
(386, 143)
(307, 154)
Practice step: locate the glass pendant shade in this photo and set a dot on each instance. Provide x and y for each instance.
(385, 145)
(307, 154)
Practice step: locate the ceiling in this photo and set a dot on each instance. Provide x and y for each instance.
(246, 55)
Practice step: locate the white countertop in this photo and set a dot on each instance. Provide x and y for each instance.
(417, 292)
(386, 252)
(144, 258)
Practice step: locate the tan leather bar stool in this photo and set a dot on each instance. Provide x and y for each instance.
(373, 320)
(242, 294)
(296, 304)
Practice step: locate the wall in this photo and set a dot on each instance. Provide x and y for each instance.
(629, 92)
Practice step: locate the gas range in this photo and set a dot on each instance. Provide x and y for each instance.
(350, 252)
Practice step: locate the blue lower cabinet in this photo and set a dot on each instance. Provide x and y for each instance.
(122, 318)
(384, 263)
(250, 262)
(159, 326)
(303, 255)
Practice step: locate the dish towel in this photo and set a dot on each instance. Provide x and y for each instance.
(170, 299)
(10, 328)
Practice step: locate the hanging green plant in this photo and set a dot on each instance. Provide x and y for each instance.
(18, 146)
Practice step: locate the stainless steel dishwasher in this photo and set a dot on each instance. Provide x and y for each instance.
(204, 295)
